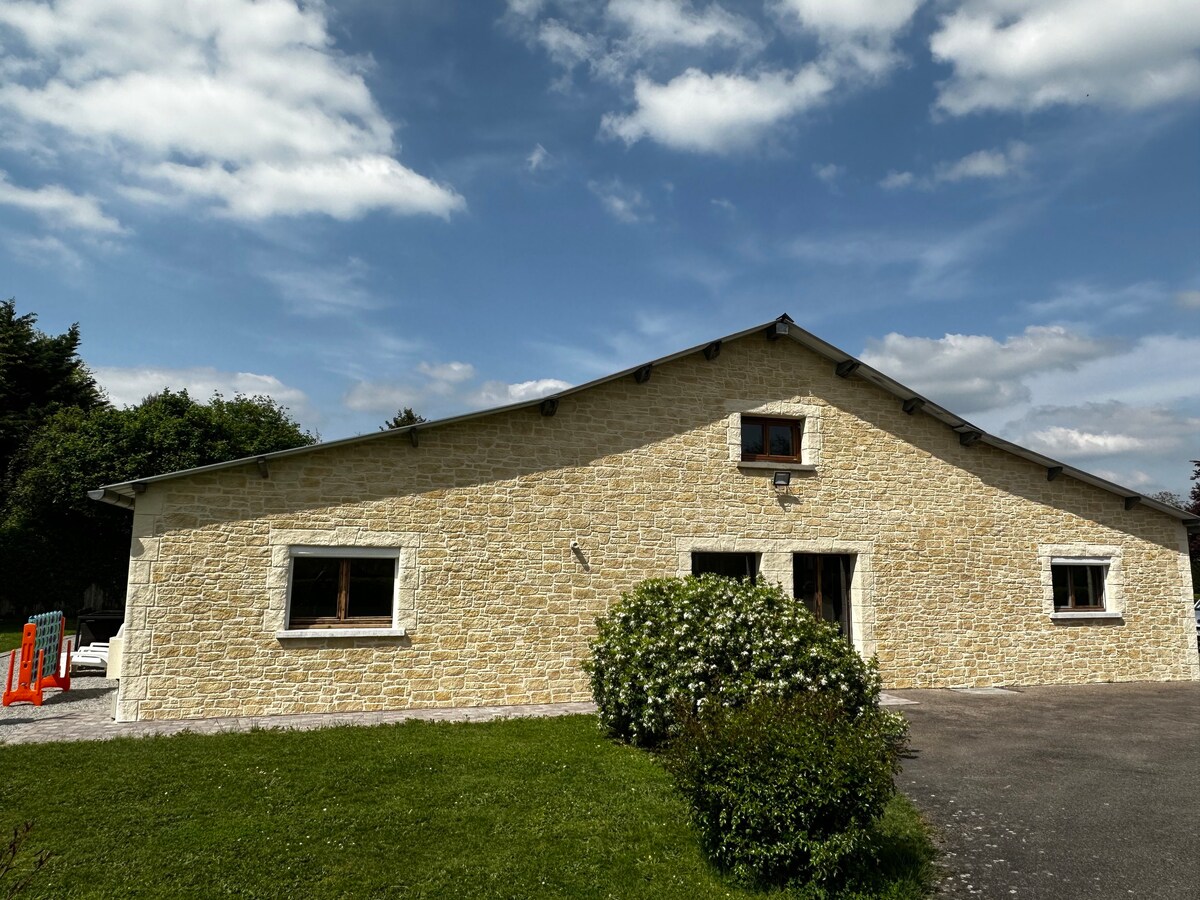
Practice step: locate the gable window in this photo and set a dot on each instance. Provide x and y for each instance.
(743, 566)
(1078, 584)
(771, 439)
(352, 588)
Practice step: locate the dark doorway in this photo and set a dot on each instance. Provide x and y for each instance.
(822, 582)
(731, 565)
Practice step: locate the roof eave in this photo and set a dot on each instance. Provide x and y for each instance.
(127, 490)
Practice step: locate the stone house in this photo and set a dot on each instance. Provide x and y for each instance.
(464, 561)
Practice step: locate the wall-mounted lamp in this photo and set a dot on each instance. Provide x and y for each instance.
(781, 480)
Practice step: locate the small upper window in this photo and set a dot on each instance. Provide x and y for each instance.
(342, 591)
(743, 566)
(1078, 586)
(775, 440)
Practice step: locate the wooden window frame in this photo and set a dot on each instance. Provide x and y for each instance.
(1097, 578)
(344, 557)
(765, 422)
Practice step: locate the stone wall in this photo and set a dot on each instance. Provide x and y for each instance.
(497, 607)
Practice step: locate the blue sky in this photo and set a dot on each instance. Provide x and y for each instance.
(452, 204)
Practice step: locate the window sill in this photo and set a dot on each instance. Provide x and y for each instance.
(776, 466)
(1076, 616)
(323, 634)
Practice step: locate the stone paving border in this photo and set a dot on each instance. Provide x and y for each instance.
(68, 727)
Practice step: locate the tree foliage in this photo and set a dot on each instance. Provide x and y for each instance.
(39, 374)
(402, 419)
(55, 541)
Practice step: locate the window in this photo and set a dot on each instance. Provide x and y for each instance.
(731, 565)
(342, 588)
(773, 440)
(1078, 585)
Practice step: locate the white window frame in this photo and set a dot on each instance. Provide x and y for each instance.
(341, 542)
(1108, 556)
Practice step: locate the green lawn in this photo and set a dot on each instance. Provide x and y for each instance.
(527, 808)
(10, 634)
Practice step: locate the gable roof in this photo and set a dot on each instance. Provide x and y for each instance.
(847, 366)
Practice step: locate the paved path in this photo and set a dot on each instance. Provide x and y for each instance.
(66, 718)
(1086, 792)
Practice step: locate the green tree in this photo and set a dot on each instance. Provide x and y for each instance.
(404, 417)
(55, 541)
(39, 374)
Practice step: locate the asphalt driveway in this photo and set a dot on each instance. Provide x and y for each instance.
(1089, 791)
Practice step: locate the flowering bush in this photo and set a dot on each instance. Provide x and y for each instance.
(672, 646)
(788, 788)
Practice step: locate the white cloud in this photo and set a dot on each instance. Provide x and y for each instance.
(837, 18)
(497, 393)
(1188, 299)
(656, 23)
(972, 373)
(1080, 301)
(244, 104)
(984, 164)
(828, 173)
(344, 188)
(720, 113)
(443, 390)
(895, 181)
(1102, 429)
(622, 202)
(1031, 54)
(539, 158)
(127, 386)
(48, 251)
(59, 207)
(326, 290)
(448, 373)
(1128, 409)
(857, 35)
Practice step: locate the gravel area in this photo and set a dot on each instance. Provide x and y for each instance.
(92, 697)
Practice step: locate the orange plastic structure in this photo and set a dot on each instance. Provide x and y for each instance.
(42, 640)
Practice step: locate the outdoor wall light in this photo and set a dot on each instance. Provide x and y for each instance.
(782, 479)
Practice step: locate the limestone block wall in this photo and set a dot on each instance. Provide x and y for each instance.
(952, 548)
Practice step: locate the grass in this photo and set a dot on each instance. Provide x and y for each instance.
(10, 634)
(526, 808)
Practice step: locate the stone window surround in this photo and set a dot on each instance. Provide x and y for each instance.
(341, 541)
(1107, 555)
(810, 441)
(775, 567)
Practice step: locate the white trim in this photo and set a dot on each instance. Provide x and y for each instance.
(777, 466)
(1076, 614)
(1080, 561)
(322, 634)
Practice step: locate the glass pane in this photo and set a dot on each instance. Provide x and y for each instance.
(314, 587)
(1062, 587)
(1081, 585)
(781, 440)
(371, 587)
(752, 439)
(731, 565)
